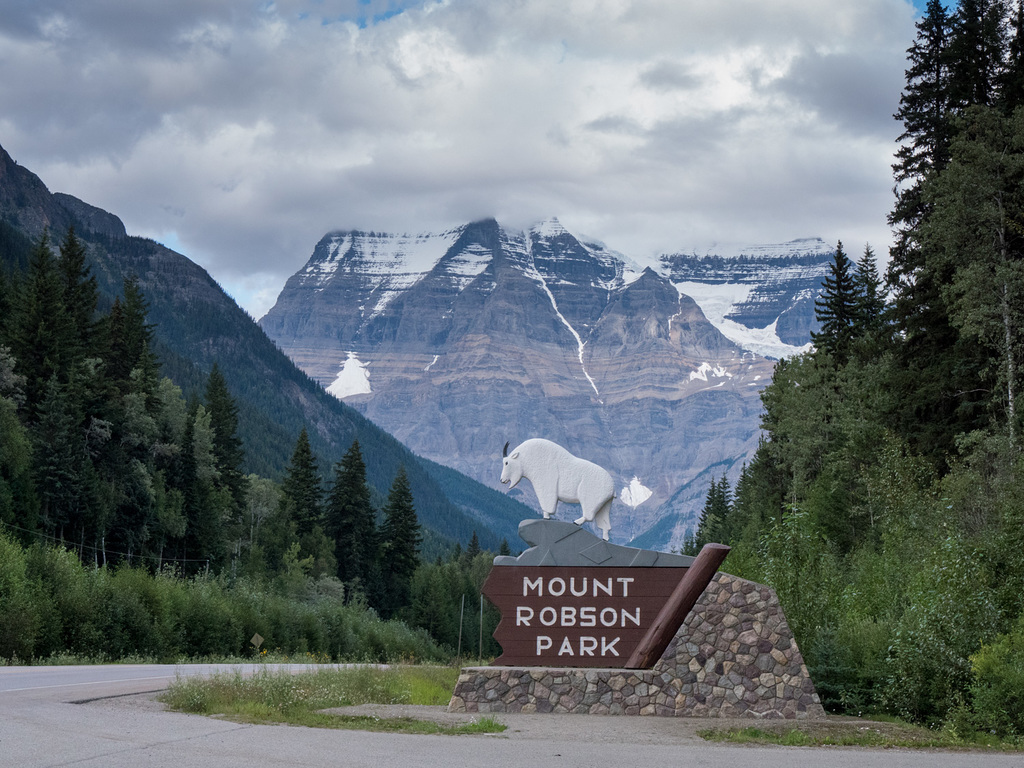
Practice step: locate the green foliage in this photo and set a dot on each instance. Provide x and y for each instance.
(50, 603)
(351, 521)
(399, 548)
(997, 688)
(445, 598)
(837, 309)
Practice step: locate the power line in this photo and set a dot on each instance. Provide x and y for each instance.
(105, 552)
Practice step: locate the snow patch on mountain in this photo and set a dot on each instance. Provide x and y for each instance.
(548, 228)
(463, 268)
(706, 369)
(635, 494)
(718, 300)
(352, 379)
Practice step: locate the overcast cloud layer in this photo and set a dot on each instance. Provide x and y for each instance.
(240, 132)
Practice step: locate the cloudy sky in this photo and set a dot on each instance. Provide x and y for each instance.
(240, 131)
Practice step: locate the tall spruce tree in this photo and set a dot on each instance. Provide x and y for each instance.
(351, 523)
(131, 341)
(227, 447)
(925, 111)
(977, 52)
(79, 296)
(975, 237)
(713, 517)
(400, 542)
(301, 490)
(868, 289)
(40, 338)
(1012, 87)
(837, 309)
(933, 375)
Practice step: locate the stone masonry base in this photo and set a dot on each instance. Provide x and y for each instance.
(734, 656)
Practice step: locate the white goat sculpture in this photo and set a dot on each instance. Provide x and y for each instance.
(557, 476)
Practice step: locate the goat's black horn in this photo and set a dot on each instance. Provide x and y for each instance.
(504, 451)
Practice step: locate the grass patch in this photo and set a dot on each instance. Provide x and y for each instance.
(852, 732)
(279, 697)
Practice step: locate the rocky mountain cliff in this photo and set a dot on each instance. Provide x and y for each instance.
(458, 341)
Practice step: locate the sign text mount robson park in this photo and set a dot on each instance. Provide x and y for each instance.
(573, 600)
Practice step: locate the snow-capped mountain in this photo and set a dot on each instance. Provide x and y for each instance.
(458, 341)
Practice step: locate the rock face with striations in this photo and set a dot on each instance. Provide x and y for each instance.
(456, 342)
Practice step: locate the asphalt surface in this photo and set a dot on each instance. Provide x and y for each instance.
(107, 716)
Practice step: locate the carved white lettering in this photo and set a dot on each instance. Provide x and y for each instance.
(625, 581)
(587, 646)
(568, 616)
(543, 643)
(609, 617)
(548, 616)
(572, 587)
(634, 618)
(556, 584)
(588, 616)
(606, 588)
(566, 648)
(537, 584)
(523, 615)
(606, 647)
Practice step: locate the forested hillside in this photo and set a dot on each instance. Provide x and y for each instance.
(886, 501)
(104, 458)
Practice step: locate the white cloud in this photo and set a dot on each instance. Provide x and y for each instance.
(245, 130)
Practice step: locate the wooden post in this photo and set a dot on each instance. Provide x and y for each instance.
(673, 613)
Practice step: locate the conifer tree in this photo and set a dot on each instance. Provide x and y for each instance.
(350, 520)
(925, 111)
(227, 447)
(974, 238)
(301, 490)
(836, 309)
(201, 505)
(474, 547)
(713, 517)
(868, 289)
(977, 51)
(131, 340)
(57, 455)
(400, 542)
(40, 337)
(1012, 87)
(79, 296)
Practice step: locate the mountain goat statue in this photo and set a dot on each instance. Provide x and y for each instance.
(557, 476)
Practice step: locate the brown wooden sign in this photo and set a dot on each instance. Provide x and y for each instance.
(593, 616)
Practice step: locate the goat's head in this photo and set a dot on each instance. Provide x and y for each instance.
(511, 468)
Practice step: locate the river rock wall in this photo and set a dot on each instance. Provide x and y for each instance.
(734, 656)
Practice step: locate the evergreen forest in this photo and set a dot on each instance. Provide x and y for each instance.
(885, 502)
(129, 528)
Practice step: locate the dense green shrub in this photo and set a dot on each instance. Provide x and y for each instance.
(19, 614)
(50, 603)
(998, 688)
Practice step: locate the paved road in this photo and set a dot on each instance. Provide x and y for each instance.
(40, 726)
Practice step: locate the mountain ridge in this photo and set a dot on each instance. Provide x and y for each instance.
(486, 333)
